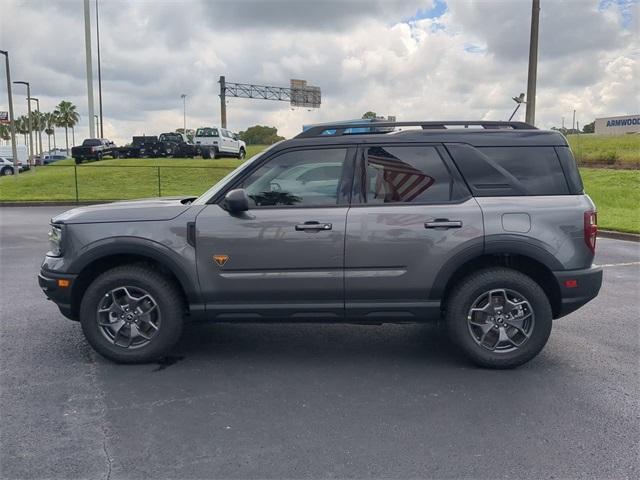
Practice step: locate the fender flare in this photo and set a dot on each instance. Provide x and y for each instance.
(145, 248)
(501, 244)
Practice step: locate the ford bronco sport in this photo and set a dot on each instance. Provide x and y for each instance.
(482, 225)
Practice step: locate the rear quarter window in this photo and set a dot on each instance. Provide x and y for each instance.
(502, 171)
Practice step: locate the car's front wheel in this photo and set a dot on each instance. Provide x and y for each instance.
(499, 317)
(6, 171)
(132, 314)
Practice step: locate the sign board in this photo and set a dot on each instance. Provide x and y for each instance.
(618, 125)
(4, 117)
(303, 95)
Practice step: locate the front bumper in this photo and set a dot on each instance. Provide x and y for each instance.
(577, 287)
(61, 296)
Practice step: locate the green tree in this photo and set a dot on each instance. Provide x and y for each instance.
(260, 135)
(50, 123)
(22, 127)
(589, 127)
(5, 134)
(369, 115)
(67, 117)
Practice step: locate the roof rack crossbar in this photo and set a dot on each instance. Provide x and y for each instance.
(339, 129)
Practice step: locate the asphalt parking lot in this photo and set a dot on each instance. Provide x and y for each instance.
(314, 401)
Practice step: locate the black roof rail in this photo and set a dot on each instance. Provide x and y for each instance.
(339, 129)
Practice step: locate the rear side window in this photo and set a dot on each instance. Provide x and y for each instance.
(570, 170)
(501, 171)
(91, 142)
(405, 175)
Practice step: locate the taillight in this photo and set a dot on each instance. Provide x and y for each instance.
(591, 229)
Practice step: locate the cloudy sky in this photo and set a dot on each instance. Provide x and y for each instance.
(416, 59)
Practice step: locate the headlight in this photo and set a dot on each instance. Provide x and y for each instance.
(55, 241)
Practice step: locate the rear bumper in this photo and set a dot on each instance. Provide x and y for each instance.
(577, 287)
(61, 296)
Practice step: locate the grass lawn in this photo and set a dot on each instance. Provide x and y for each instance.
(617, 196)
(618, 150)
(616, 192)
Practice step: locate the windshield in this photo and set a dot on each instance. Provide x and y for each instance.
(206, 196)
(207, 132)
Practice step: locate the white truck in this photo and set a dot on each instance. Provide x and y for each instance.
(23, 154)
(218, 142)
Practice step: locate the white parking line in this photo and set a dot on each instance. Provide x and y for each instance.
(625, 264)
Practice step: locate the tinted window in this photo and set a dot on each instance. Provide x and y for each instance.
(536, 168)
(207, 132)
(301, 178)
(570, 170)
(406, 175)
(91, 142)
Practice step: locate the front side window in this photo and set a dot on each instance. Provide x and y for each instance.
(405, 175)
(307, 178)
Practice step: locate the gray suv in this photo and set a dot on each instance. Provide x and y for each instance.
(481, 225)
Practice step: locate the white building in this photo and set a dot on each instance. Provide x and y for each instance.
(618, 125)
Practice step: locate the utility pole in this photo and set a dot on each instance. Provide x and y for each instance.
(12, 125)
(573, 123)
(28, 120)
(97, 128)
(530, 116)
(99, 72)
(223, 103)
(87, 47)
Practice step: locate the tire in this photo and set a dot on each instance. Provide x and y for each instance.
(467, 328)
(216, 153)
(78, 161)
(138, 280)
(242, 153)
(99, 156)
(206, 153)
(6, 171)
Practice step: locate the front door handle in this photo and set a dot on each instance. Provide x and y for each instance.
(313, 226)
(443, 223)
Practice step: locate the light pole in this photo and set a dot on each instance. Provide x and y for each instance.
(87, 48)
(530, 116)
(99, 72)
(184, 112)
(12, 125)
(28, 119)
(39, 142)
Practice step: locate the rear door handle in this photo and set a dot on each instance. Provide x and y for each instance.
(443, 223)
(313, 226)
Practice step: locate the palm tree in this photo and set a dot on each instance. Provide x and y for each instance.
(5, 134)
(38, 125)
(50, 128)
(22, 126)
(67, 118)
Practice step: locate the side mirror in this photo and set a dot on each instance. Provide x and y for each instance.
(237, 201)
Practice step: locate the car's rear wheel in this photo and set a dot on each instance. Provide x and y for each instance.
(500, 318)
(132, 314)
(242, 153)
(6, 171)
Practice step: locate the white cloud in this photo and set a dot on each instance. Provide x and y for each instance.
(467, 63)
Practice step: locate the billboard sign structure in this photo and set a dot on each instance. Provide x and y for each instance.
(4, 118)
(304, 95)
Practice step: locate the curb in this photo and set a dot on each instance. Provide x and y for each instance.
(630, 237)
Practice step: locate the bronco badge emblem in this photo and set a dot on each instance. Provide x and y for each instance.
(220, 259)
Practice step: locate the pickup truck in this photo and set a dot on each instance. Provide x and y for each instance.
(177, 145)
(142, 146)
(94, 149)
